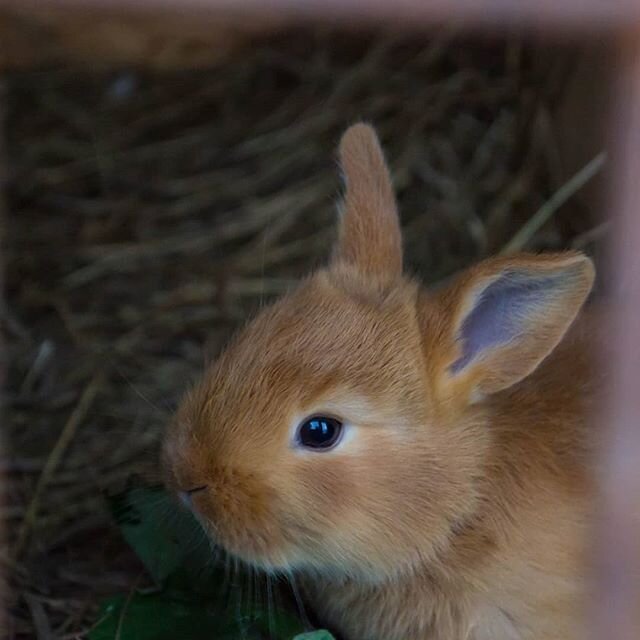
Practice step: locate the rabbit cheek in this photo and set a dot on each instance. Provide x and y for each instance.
(237, 511)
(323, 497)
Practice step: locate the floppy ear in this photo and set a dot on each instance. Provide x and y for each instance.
(504, 316)
(369, 236)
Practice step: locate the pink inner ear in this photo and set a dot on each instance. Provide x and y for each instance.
(502, 312)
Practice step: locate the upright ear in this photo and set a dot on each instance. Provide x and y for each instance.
(369, 236)
(504, 316)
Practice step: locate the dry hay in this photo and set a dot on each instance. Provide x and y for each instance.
(148, 215)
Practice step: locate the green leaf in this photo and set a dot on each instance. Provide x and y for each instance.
(197, 600)
(158, 617)
(170, 615)
(314, 635)
(164, 536)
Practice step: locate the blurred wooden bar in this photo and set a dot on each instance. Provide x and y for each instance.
(552, 15)
(49, 34)
(616, 610)
(172, 33)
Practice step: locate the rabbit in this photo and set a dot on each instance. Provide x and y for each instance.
(417, 460)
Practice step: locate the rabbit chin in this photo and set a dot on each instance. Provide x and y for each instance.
(319, 563)
(298, 564)
(253, 551)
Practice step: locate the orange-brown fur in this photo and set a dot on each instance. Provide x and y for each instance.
(460, 506)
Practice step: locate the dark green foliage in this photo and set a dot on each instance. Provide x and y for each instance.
(196, 598)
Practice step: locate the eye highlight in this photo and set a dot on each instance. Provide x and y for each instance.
(319, 432)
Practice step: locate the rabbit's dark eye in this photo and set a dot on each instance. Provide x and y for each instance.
(319, 432)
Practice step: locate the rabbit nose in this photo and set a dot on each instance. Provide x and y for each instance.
(186, 496)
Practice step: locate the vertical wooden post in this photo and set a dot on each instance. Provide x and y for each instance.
(616, 607)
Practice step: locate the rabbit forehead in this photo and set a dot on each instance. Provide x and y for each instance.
(318, 347)
(318, 334)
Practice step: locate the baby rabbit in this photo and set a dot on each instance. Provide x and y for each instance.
(416, 459)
